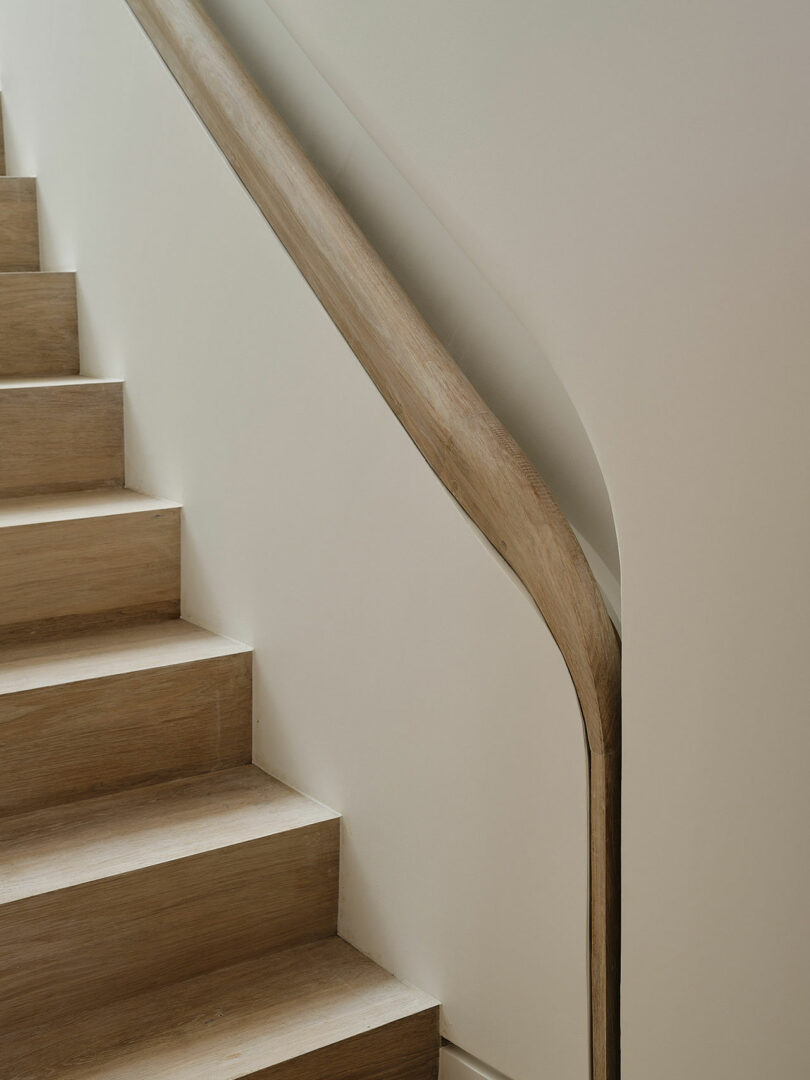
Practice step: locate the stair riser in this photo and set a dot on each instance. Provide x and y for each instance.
(70, 953)
(60, 576)
(61, 438)
(19, 230)
(40, 334)
(61, 743)
(70, 950)
(407, 1049)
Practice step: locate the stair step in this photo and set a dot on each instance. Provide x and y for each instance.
(87, 559)
(39, 332)
(167, 910)
(109, 897)
(317, 1012)
(88, 841)
(60, 433)
(95, 713)
(19, 229)
(2, 143)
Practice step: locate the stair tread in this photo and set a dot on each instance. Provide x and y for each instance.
(66, 506)
(62, 846)
(224, 1025)
(28, 382)
(94, 655)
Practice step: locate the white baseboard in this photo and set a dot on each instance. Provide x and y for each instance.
(456, 1065)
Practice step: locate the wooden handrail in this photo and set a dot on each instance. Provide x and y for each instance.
(460, 438)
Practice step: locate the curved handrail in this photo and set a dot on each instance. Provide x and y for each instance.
(467, 447)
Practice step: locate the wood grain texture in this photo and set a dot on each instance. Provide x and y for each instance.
(65, 950)
(60, 435)
(311, 1013)
(39, 332)
(32, 665)
(145, 898)
(467, 447)
(405, 1049)
(605, 775)
(19, 228)
(67, 735)
(87, 559)
(62, 846)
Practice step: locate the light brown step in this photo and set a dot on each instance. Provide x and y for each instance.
(39, 332)
(62, 433)
(109, 897)
(95, 713)
(318, 1012)
(19, 230)
(86, 559)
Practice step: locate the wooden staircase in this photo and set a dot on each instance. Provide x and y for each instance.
(167, 910)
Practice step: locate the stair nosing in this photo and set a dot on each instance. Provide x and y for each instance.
(37, 382)
(95, 502)
(140, 850)
(39, 665)
(196, 1039)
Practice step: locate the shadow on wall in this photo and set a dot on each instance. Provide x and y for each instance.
(474, 323)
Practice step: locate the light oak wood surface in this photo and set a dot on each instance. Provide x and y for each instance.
(102, 712)
(78, 506)
(182, 883)
(39, 332)
(155, 930)
(468, 448)
(33, 665)
(60, 434)
(2, 142)
(66, 845)
(605, 775)
(86, 559)
(19, 228)
(318, 1012)
(403, 1049)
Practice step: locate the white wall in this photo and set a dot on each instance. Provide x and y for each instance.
(455, 295)
(632, 178)
(402, 676)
